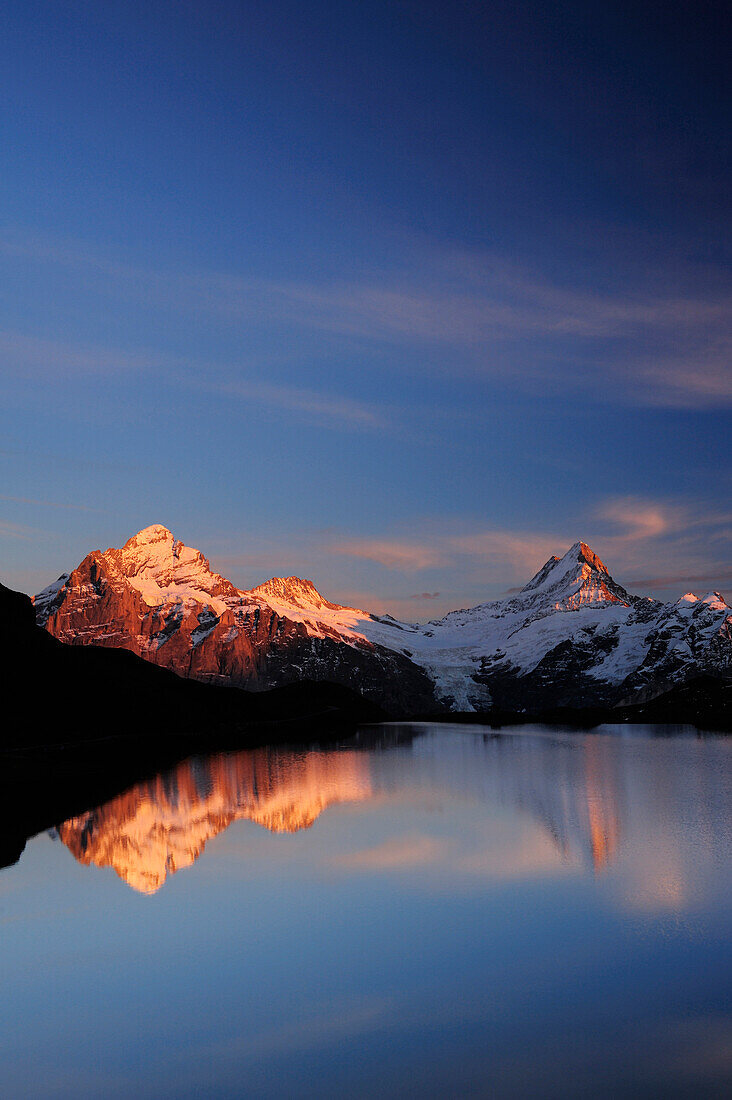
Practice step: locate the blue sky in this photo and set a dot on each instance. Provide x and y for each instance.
(403, 297)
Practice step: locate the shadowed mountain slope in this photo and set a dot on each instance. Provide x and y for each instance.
(58, 694)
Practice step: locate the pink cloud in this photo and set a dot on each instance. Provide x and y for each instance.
(640, 519)
(525, 549)
(682, 578)
(392, 553)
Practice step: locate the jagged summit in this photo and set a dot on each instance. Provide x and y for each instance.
(162, 568)
(293, 590)
(715, 600)
(587, 554)
(152, 565)
(578, 578)
(578, 554)
(690, 602)
(155, 533)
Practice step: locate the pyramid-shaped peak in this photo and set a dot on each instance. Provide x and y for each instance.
(581, 552)
(579, 577)
(556, 567)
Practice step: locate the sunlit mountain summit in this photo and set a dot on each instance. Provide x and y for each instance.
(572, 636)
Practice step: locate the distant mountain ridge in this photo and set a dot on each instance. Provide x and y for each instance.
(571, 637)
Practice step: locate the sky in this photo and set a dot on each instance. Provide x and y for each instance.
(401, 297)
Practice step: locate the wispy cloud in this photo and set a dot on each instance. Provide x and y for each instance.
(674, 579)
(16, 531)
(56, 361)
(640, 519)
(49, 504)
(701, 379)
(392, 553)
(324, 408)
(684, 539)
(628, 522)
(520, 548)
(644, 346)
(523, 549)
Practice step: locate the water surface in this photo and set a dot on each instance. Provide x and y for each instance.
(440, 911)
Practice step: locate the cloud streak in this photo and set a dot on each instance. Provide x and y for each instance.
(682, 578)
(503, 322)
(16, 531)
(322, 408)
(49, 504)
(55, 362)
(392, 553)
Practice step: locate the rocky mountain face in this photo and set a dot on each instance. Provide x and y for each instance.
(571, 637)
(161, 600)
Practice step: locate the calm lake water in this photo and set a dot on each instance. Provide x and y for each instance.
(446, 911)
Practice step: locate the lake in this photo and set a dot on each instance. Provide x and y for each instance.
(427, 910)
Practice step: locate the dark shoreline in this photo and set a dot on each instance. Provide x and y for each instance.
(704, 702)
(42, 785)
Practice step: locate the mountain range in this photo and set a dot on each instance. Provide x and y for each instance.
(571, 637)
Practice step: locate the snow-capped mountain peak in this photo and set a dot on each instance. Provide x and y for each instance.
(577, 579)
(163, 569)
(150, 535)
(45, 598)
(300, 601)
(293, 590)
(716, 601)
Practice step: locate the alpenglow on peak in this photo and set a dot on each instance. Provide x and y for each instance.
(579, 577)
(156, 532)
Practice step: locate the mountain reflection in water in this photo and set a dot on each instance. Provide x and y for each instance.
(425, 910)
(162, 825)
(584, 801)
